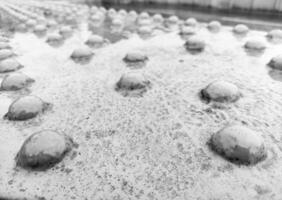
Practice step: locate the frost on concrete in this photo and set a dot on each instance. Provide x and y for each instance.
(239, 144)
(44, 149)
(26, 107)
(16, 81)
(221, 91)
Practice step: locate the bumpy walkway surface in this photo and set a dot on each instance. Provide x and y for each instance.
(153, 146)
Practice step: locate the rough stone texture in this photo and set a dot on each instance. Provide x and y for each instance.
(26, 107)
(239, 144)
(276, 62)
(221, 91)
(44, 149)
(16, 81)
(241, 29)
(9, 65)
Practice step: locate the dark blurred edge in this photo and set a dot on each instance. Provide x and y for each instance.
(255, 18)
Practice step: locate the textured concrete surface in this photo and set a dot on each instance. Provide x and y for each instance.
(150, 147)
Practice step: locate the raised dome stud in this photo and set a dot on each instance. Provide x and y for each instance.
(15, 81)
(239, 144)
(255, 47)
(214, 26)
(55, 39)
(82, 55)
(255, 44)
(221, 91)
(26, 107)
(276, 63)
(275, 34)
(9, 65)
(6, 53)
(136, 59)
(96, 41)
(191, 22)
(187, 31)
(43, 150)
(5, 45)
(241, 29)
(40, 30)
(195, 45)
(133, 84)
(66, 31)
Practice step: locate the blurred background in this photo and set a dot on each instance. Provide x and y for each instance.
(256, 13)
(249, 5)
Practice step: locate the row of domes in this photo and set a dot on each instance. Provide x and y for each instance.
(44, 149)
